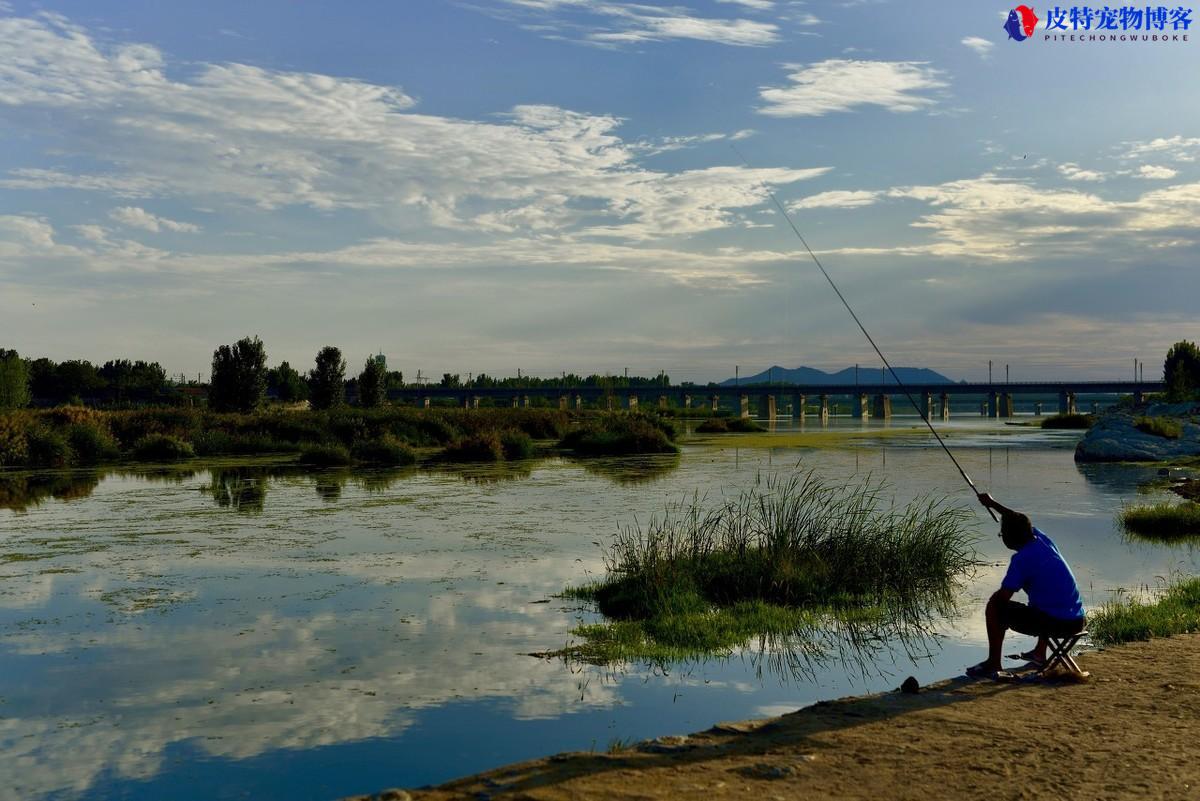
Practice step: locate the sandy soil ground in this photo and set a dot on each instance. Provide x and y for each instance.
(1131, 732)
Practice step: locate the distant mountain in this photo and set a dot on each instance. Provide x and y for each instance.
(866, 375)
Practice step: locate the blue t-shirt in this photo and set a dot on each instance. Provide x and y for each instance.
(1039, 569)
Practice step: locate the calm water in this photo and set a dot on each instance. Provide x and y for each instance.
(252, 632)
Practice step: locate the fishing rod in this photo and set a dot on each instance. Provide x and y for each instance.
(863, 328)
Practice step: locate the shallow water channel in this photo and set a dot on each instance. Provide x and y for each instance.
(249, 631)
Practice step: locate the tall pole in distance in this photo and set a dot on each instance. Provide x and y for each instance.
(737, 381)
(989, 372)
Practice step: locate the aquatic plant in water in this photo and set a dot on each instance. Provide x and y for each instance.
(783, 561)
(1162, 521)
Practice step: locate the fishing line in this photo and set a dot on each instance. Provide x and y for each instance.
(863, 328)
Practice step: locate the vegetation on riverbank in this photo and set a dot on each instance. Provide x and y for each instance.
(775, 562)
(724, 425)
(1162, 521)
(621, 434)
(1164, 427)
(1073, 421)
(71, 435)
(1175, 611)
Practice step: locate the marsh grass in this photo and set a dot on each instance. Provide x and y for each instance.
(781, 559)
(1080, 421)
(1164, 427)
(1175, 611)
(723, 425)
(1162, 521)
(621, 434)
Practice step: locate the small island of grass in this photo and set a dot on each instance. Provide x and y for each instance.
(782, 560)
(1070, 421)
(725, 425)
(1162, 521)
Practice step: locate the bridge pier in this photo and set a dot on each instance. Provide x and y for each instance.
(715, 400)
(993, 404)
(766, 406)
(562, 403)
(1066, 403)
(525, 401)
(608, 402)
(859, 407)
(1005, 407)
(687, 401)
(945, 406)
(1095, 407)
(662, 401)
(1037, 409)
(426, 402)
(744, 406)
(474, 401)
(927, 405)
(824, 408)
(631, 402)
(798, 410)
(577, 401)
(1139, 398)
(883, 407)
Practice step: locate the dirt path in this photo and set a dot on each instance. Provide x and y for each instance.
(1131, 732)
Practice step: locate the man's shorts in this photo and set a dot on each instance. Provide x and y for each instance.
(1030, 620)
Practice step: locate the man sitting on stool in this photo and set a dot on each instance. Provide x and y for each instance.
(1055, 607)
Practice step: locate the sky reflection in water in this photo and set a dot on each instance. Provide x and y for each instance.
(258, 630)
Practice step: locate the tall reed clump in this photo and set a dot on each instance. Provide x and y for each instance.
(790, 543)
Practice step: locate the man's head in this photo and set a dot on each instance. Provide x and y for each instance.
(1016, 530)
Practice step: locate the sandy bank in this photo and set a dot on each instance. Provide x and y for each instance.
(1133, 731)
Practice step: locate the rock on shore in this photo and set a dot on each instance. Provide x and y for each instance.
(1115, 437)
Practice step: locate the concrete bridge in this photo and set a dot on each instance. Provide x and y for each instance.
(797, 401)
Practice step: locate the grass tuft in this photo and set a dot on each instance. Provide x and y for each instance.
(773, 561)
(1164, 427)
(1162, 521)
(722, 425)
(325, 456)
(622, 435)
(1175, 611)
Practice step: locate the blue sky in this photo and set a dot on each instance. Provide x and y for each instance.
(550, 185)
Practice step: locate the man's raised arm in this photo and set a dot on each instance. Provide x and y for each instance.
(991, 503)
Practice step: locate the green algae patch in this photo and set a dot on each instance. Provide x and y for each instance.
(817, 438)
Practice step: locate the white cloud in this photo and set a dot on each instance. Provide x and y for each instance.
(1154, 172)
(836, 199)
(242, 134)
(615, 23)
(1073, 172)
(982, 47)
(1180, 148)
(757, 5)
(140, 218)
(33, 232)
(841, 85)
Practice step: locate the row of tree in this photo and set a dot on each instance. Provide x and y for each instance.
(241, 381)
(44, 381)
